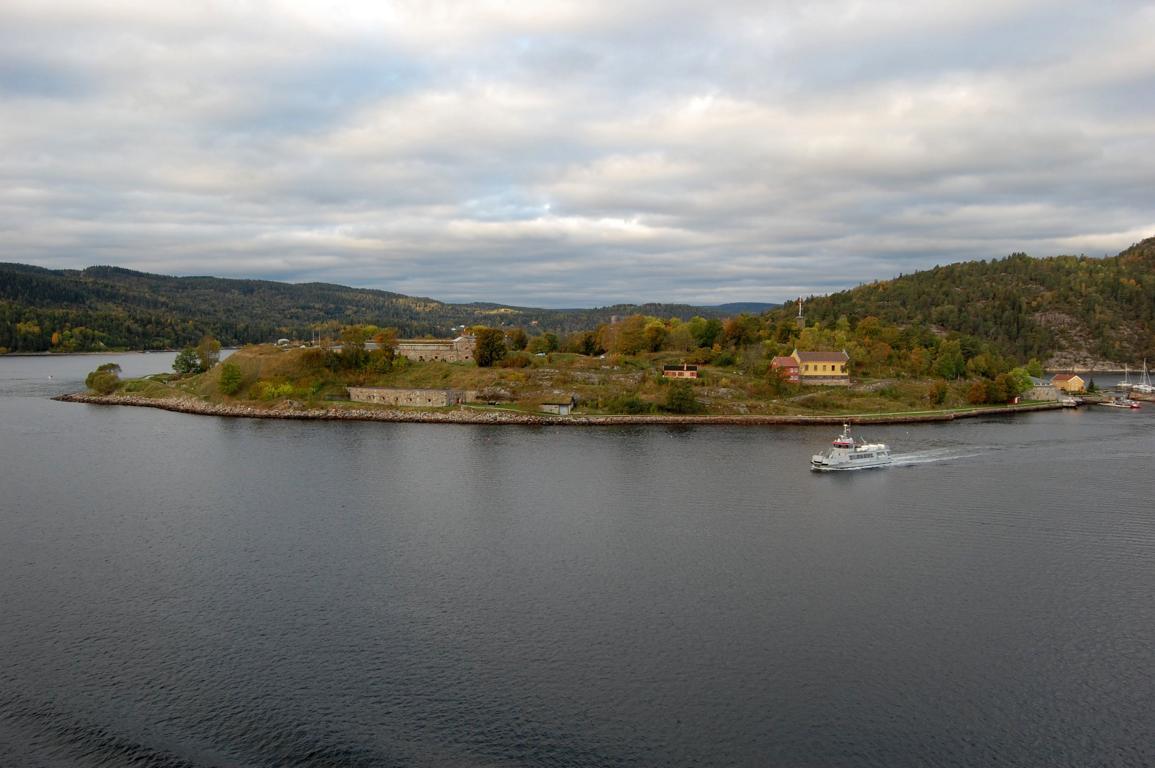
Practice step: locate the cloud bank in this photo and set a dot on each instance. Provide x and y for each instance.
(573, 153)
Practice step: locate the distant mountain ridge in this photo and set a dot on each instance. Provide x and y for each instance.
(1068, 311)
(113, 307)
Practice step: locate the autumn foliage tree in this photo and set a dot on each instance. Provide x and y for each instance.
(490, 346)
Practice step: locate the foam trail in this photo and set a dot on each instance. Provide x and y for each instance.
(929, 456)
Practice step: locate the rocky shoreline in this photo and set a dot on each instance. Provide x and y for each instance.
(478, 416)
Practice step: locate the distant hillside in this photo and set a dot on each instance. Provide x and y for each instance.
(744, 307)
(1065, 310)
(110, 307)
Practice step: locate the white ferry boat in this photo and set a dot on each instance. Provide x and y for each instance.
(847, 453)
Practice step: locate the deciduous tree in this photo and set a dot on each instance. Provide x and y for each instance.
(208, 352)
(187, 361)
(490, 346)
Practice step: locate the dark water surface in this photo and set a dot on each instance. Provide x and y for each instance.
(189, 591)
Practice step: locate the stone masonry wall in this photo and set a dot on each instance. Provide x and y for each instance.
(427, 398)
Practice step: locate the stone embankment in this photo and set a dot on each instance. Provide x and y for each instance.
(487, 416)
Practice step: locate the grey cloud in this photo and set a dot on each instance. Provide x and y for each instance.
(573, 155)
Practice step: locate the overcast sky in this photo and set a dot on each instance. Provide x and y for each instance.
(573, 153)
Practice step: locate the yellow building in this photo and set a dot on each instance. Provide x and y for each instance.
(1069, 383)
(829, 368)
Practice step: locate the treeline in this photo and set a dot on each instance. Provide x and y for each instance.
(1011, 309)
(1026, 307)
(112, 308)
(954, 366)
(876, 348)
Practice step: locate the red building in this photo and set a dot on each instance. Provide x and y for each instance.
(789, 367)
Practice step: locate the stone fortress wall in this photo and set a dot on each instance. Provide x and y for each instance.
(424, 398)
(459, 350)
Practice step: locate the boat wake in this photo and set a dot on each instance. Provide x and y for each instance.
(930, 456)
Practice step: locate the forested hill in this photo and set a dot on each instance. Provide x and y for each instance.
(1065, 310)
(114, 308)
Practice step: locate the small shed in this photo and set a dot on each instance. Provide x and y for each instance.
(559, 406)
(680, 371)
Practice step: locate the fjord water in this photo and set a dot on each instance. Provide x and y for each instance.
(179, 590)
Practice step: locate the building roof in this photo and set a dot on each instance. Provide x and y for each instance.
(1065, 377)
(822, 356)
(680, 367)
(784, 362)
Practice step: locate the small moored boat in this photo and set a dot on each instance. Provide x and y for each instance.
(847, 453)
(1120, 402)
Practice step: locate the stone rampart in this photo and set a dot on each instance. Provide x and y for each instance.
(423, 398)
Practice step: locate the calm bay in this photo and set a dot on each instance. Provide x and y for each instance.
(182, 590)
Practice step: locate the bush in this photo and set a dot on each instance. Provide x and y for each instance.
(104, 380)
(516, 360)
(230, 380)
(702, 356)
(629, 404)
(937, 392)
(724, 358)
(977, 392)
(267, 390)
(680, 399)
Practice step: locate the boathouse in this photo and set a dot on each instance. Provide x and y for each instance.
(560, 405)
(1069, 382)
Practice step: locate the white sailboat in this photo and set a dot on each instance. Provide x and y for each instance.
(1144, 384)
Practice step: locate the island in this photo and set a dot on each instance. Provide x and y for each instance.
(477, 379)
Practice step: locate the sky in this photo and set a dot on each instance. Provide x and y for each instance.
(573, 154)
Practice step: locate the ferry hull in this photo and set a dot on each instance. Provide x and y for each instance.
(819, 467)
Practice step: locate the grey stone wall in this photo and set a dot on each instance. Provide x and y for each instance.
(426, 398)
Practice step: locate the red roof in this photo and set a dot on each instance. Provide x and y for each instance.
(1062, 377)
(784, 362)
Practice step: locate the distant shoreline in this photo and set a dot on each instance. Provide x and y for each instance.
(500, 417)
